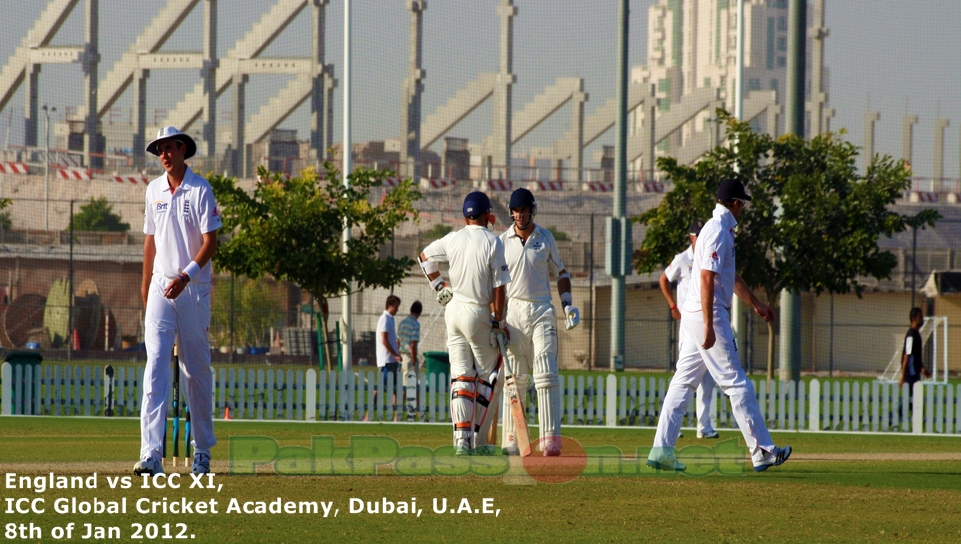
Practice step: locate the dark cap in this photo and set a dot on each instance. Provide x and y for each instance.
(476, 203)
(696, 227)
(731, 189)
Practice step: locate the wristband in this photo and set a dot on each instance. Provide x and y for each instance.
(674, 306)
(566, 299)
(184, 277)
(191, 270)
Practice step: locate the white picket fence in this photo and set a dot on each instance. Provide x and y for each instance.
(611, 400)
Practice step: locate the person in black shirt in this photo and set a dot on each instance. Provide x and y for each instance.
(912, 360)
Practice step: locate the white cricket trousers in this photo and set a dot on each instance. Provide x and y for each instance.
(725, 367)
(533, 351)
(471, 357)
(186, 317)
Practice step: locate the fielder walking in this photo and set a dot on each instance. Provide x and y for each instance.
(180, 224)
(475, 301)
(708, 340)
(533, 258)
(680, 271)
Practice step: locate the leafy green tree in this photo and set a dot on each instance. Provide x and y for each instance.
(291, 229)
(97, 215)
(256, 308)
(814, 220)
(439, 230)
(559, 236)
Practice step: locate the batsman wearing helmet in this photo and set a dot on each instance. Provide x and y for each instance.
(533, 258)
(478, 276)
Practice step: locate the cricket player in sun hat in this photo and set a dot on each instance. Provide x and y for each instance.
(180, 223)
(680, 271)
(708, 340)
(478, 279)
(533, 258)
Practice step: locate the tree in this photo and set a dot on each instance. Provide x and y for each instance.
(291, 229)
(97, 215)
(256, 309)
(813, 223)
(559, 236)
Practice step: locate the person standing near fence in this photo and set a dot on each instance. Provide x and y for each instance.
(708, 343)
(476, 302)
(180, 223)
(912, 358)
(533, 258)
(408, 336)
(388, 360)
(680, 271)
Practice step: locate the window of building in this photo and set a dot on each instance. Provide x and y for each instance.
(782, 24)
(664, 145)
(769, 60)
(664, 86)
(707, 82)
(754, 84)
(774, 85)
(664, 104)
(782, 43)
(781, 62)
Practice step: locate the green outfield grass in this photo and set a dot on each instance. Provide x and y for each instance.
(836, 487)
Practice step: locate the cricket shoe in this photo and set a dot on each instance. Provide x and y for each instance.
(772, 458)
(201, 463)
(148, 466)
(462, 447)
(711, 434)
(511, 449)
(665, 460)
(485, 450)
(552, 450)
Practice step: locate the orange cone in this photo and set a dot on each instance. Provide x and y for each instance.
(227, 412)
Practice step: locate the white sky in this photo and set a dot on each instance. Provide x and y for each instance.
(896, 56)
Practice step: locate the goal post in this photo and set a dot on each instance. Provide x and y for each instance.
(934, 330)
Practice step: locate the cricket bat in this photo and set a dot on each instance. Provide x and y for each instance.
(523, 437)
(176, 402)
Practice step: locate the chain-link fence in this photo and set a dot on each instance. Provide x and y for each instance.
(78, 295)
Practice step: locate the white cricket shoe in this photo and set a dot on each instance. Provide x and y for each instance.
(149, 466)
(201, 463)
(772, 458)
(709, 434)
(665, 460)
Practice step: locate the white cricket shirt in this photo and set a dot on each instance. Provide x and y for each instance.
(680, 271)
(178, 222)
(385, 324)
(714, 252)
(477, 264)
(532, 264)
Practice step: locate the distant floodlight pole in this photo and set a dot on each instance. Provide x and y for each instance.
(46, 167)
(345, 339)
(737, 320)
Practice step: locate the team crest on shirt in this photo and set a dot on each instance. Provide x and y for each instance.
(536, 245)
(186, 208)
(215, 212)
(714, 255)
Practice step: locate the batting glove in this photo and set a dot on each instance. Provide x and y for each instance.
(499, 329)
(572, 317)
(444, 295)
